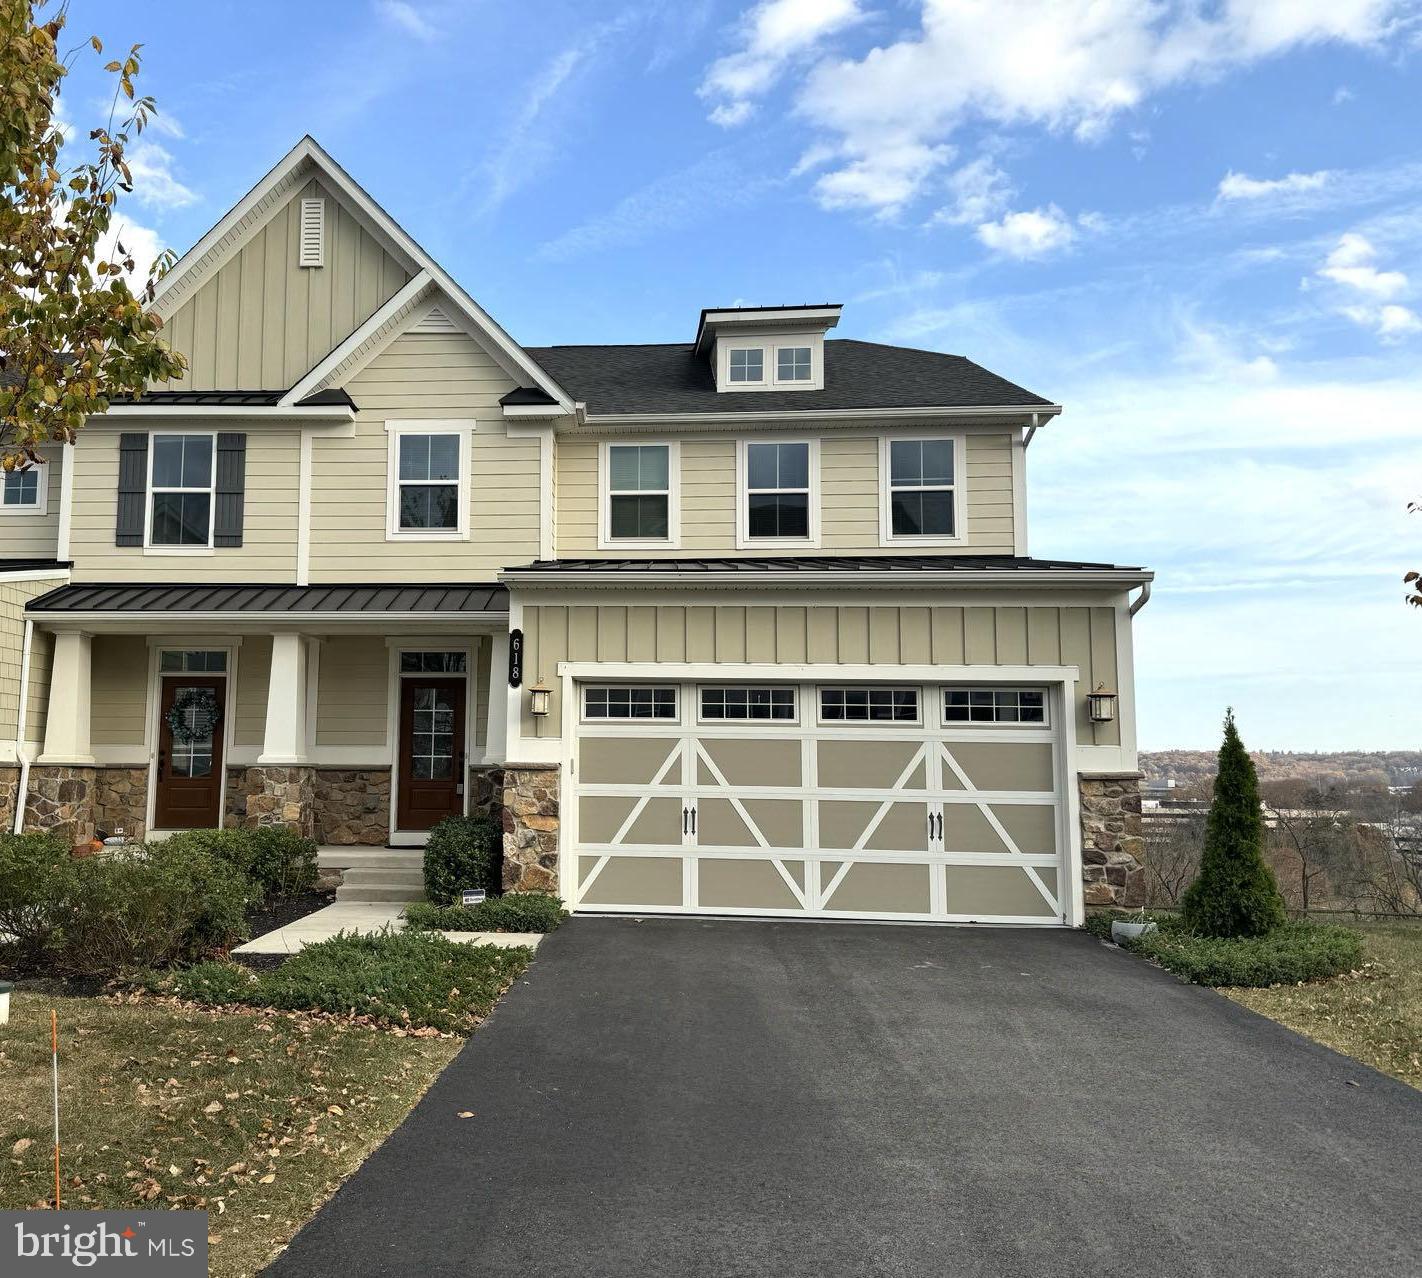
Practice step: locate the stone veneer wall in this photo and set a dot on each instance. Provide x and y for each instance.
(530, 821)
(352, 806)
(9, 790)
(121, 801)
(1112, 846)
(61, 799)
(261, 796)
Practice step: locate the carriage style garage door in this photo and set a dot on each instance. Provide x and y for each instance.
(890, 801)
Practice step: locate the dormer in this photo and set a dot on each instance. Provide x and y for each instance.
(766, 348)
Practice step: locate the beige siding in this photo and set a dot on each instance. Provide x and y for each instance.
(26, 536)
(268, 550)
(249, 710)
(261, 322)
(446, 377)
(838, 635)
(41, 662)
(351, 699)
(849, 497)
(118, 695)
(14, 595)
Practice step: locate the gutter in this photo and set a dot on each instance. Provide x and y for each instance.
(813, 579)
(22, 790)
(1141, 599)
(1034, 411)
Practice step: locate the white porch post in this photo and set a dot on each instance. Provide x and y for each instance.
(496, 730)
(66, 726)
(284, 741)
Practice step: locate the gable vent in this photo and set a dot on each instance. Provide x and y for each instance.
(435, 322)
(313, 233)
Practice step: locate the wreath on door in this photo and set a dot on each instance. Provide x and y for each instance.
(194, 715)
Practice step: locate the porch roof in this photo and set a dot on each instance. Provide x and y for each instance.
(448, 599)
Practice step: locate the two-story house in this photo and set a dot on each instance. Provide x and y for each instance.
(745, 624)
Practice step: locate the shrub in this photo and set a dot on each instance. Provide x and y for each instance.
(463, 852)
(213, 982)
(1292, 953)
(279, 862)
(36, 882)
(1235, 893)
(512, 912)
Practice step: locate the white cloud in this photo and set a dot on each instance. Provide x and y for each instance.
(774, 33)
(1351, 265)
(141, 243)
(1397, 321)
(1343, 94)
(402, 14)
(1032, 233)
(1239, 186)
(153, 182)
(980, 191)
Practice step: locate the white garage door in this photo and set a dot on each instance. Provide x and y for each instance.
(887, 801)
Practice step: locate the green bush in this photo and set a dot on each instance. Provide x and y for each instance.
(36, 883)
(512, 912)
(463, 852)
(411, 979)
(279, 861)
(1235, 893)
(1289, 954)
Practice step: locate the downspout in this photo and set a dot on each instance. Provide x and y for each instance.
(1031, 430)
(1141, 599)
(24, 759)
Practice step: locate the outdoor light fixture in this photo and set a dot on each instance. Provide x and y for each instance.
(1102, 704)
(538, 697)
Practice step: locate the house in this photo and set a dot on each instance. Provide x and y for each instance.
(740, 625)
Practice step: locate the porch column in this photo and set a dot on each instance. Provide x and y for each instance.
(284, 741)
(496, 729)
(66, 725)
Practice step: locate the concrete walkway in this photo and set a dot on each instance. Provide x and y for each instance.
(363, 916)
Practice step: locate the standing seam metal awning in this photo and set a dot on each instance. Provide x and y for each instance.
(454, 599)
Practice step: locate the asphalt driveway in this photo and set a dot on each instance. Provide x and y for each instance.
(686, 1098)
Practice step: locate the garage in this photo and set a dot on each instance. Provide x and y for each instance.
(885, 801)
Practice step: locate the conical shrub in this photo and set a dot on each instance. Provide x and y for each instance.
(1235, 893)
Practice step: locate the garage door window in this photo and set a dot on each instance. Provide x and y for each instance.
(869, 705)
(639, 702)
(742, 703)
(995, 705)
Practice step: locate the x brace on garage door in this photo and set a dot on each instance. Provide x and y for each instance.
(921, 820)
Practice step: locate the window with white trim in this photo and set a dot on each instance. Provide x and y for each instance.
(192, 661)
(181, 471)
(747, 702)
(777, 479)
(869, 705)
(25, 492)
(922, 488)
(792, 364)
(428, 497)
(638, 492)
(634, 701)
(995, 705)
(434, 663)
(747, 364)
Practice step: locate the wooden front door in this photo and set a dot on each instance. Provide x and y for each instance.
(431, 751)
(189, 783)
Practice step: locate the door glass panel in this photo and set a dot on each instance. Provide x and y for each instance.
(192, 725)
(432, 742)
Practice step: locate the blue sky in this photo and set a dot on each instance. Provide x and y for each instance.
(1197, 225)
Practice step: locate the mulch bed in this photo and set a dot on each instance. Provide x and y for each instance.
(280, 913)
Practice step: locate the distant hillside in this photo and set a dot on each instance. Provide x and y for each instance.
(1344, 767)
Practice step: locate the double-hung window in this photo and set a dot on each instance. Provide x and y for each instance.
(747, 365)
(639, 479)
(24, 491)
(921, 492)
(777, 501)
(180, 486)
(428, 491)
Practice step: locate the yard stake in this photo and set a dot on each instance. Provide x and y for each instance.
(54, 1058)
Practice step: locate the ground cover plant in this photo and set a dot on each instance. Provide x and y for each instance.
(513, 912)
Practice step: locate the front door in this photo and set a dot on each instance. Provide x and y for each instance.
(189, 783)
(431, 752)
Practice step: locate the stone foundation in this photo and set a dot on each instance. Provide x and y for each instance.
(1112, 847)
(61, 799)
(9, 790)
(486, 792)
(121, 801)
(352, 806)
(262, 796)
(530, 821)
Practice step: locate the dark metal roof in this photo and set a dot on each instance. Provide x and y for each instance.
(858, 375)
(345, 599)
(334, 396)
(811, 564)
(528, 395)
(33, 565)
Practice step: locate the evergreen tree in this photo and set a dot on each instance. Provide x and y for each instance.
(1235, 893)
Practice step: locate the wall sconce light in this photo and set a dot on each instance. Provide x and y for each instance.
(1101, 704)
(538, 699)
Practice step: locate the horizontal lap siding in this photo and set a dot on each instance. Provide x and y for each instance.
(41, 661)
(435, 377)
(36, 536)
(14, 595)
(838, 635)
(351, 695)
(254, 671)
(118, 697)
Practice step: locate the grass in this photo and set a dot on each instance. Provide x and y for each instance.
(1373, 1015)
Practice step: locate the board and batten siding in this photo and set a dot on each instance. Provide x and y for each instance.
(424, 376)
(849, 496)
(887, 635)
(263, 321)
(14, 596)
(27, 536)
(118, 690)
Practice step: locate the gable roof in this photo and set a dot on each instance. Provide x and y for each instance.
(615, 380)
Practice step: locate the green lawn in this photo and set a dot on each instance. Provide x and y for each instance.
(1373, 1015)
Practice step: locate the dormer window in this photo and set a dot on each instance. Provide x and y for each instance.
(792, 364)
(748, 364)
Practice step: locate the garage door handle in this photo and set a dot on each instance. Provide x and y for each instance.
(930, 827)
(693, 820)
(685, 818)
(940, 827)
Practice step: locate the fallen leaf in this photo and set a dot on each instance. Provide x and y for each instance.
(212, 1107)
(21, 1145)
(466, 1113)
(335, 1109)
(173, 1170)
(267, 1179)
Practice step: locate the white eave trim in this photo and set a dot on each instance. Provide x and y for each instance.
(751, 416)
(811, 579)
(33, 574)
(536, 412)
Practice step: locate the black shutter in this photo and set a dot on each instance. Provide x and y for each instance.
(231, 489)
(132, 489)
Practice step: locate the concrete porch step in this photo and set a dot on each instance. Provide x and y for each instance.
(376, 890)
(343, 858)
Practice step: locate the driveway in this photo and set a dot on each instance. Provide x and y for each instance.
(688, 1097)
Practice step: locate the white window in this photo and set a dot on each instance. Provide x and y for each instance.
(777, 482)
(921, 489)
(195, 661)
(639, 495)
(428, 498)
(747, 364)
(995, 705)
(25, 492)
(792, 364)
(635, 701)
(747, 702)
(434, 663)
(180, 490)
(869, 705)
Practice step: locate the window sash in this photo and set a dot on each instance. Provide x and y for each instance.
(22, 488)
(869, 705)
(428, 502)
(750, 367)
(434, 662)
(648, 502)
(1016, 706)
(908, 496)
(602, 702)
(190, 497)
(737, 703)
(791, 360)
(192, 661)
(781, 503)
